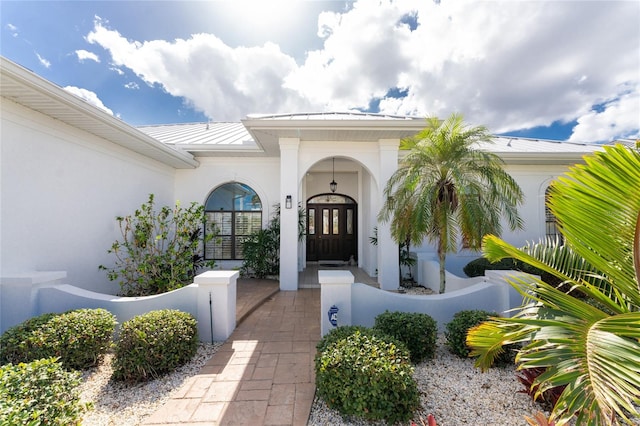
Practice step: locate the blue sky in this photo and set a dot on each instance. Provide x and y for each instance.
(566, 70)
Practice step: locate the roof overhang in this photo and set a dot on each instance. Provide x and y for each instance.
(32, 91)
(267, 131)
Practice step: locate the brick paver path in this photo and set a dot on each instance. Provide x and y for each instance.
(262, 375)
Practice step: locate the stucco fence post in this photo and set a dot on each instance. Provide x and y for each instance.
(216, 304)
(335, 299)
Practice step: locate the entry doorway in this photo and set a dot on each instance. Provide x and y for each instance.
(332, 228)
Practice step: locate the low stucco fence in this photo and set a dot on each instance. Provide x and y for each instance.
(347, 303)
(211, 299)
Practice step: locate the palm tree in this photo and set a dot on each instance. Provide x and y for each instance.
(592, 346)
(446, 188)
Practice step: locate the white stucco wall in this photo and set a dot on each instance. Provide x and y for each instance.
(533, 180)
(261, 174)
(61, 191)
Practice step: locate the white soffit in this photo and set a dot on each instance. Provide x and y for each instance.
(32, 91)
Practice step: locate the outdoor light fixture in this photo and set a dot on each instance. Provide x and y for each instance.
(287, 202)
(333, 185)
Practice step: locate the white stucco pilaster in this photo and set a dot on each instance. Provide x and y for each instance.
(289, 148)
(388, 258)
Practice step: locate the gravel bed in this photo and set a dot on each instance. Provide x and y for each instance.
(116, 404)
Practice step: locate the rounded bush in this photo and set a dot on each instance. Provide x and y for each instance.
(457, 329)
(336, 334)
(39, 393)
(154, 344)
(365, 376)
(79, 338)
(417, 331)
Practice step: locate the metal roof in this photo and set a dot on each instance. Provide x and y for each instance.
(346, 115)
(206, 138)
(24, 87)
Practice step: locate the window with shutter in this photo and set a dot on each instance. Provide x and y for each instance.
(233, 212)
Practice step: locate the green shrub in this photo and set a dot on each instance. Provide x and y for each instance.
(154, 344)
(365, 376)
(336, 334)
(477, 268)
(417, 331)
(161, 250)
(39, 393)
(80, 338)
(457, 329)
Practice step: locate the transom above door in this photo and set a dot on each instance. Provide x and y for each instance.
(332, 228)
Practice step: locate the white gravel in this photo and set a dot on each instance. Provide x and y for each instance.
(116, 404)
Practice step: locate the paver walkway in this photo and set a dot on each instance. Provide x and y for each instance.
(263, 374)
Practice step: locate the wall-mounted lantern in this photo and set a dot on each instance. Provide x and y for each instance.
(287, 202)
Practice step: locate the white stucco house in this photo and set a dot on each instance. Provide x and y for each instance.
(68, 169)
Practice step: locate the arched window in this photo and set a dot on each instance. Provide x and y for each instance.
(234, 210)
(551, 223)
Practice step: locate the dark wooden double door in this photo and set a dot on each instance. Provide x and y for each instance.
(332, 231)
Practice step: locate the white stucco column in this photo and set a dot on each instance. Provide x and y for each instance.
(216, 304)
(388, 257)
(289, 217)
(335, 299)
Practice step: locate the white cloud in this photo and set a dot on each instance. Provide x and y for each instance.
(13, 29)
(223, 82)
(507, 65)
(132, 85)
(45, 63)
(89, 97)
(618, 119)
(85, 54)
(117, 70)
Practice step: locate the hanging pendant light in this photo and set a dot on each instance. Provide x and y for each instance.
(333, 185)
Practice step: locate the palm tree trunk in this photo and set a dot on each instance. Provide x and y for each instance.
(442, 254)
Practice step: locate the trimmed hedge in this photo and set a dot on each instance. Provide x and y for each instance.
(40, 393)
(365, 376)
(154, 344)
(477, 268)
(342, 332)
(417, 331)
(79, 338)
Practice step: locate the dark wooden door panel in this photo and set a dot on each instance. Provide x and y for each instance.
(331, 232)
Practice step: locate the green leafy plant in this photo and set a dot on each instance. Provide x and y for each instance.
(336, 334)
(457, 329)
(261, 250)
(154, 344)
(446, 188)
(593, 351)
(40, 393)
(79, 338)
(416, 330)
(161, 250)
(368, 377)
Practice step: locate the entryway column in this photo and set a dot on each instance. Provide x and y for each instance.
(388, 257)
(289, 216)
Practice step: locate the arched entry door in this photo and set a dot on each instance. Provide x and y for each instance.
(332, 228)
